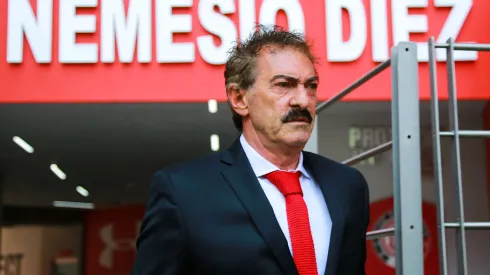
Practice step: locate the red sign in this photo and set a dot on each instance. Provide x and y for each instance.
(111, 240)
(174, 50)
(381, 251)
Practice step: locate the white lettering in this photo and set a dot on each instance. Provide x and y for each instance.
(167, 24)
(21, 20)
(452, 27)
(131, 32)
(219, 25)
(292, 8)
(338, 50)
(354, 137)
(115, 27)
(246, 9)
(380, 136)
(404, 23)
(379, 30)
(70, 24)
(367, 137)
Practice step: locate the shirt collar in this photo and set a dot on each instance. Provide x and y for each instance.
(261, 166)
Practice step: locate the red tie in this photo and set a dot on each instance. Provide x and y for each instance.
(298, 221)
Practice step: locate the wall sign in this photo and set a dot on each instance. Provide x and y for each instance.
(138, 50)
(111, 239)
(381, 252)
(364, 138)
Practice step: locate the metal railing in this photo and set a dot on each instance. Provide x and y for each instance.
(455, 134)
(405, 145)
(406, 154)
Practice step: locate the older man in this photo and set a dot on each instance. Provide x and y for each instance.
(264, 206)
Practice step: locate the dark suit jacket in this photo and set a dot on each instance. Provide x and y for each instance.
(211, 216)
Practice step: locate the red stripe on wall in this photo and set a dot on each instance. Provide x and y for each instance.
(201, 80)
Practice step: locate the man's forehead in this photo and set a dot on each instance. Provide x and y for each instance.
(288, 62)
(275, 52)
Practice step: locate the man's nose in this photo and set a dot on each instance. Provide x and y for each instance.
(301, 98)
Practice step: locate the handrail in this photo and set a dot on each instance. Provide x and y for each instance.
(464, 46)
(469, 225)
(369, 153)
(405, 100)
(456, 134)
(363, 79)
(375, 234)
(374, 151)
(467, 133)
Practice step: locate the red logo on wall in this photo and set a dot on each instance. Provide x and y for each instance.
(381, 251)
(111, 239)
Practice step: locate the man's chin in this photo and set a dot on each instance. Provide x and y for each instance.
(298, 139)
(299, 124)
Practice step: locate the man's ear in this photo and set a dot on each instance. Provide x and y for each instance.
(237, 99)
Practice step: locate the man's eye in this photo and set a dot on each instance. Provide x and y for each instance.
(283, 84)
(314, 85)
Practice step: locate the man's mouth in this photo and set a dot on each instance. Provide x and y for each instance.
(300, 119)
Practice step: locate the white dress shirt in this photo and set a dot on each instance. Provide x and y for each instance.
(320, 221)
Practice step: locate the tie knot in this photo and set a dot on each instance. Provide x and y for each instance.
(286, 182)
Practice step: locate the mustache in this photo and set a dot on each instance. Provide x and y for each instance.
(297, 114)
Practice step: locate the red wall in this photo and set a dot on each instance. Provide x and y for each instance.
(381, 252)
(201, 81)
(110, 239)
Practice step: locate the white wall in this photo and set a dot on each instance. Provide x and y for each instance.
(333, 133)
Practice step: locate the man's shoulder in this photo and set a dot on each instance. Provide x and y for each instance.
(191, 177)
(329, 163)
(335, 168)
(196, 165)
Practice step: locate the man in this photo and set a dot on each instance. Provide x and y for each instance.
(264, 206)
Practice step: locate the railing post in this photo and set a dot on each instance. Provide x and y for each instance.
(407, 179)
(437, 157)
(456, 159)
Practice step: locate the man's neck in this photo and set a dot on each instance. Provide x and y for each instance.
(282, 157)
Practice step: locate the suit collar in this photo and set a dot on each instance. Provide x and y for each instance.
(238, 172)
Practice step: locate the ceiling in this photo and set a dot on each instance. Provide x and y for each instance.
(110, 149)
(113, 149)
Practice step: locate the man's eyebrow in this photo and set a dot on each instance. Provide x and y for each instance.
(290, 78)
(313, 78)
(287, 77)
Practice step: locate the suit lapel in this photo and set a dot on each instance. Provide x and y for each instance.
(326, 178)
(239, 174)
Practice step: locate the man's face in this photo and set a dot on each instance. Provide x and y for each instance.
(282, 101)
